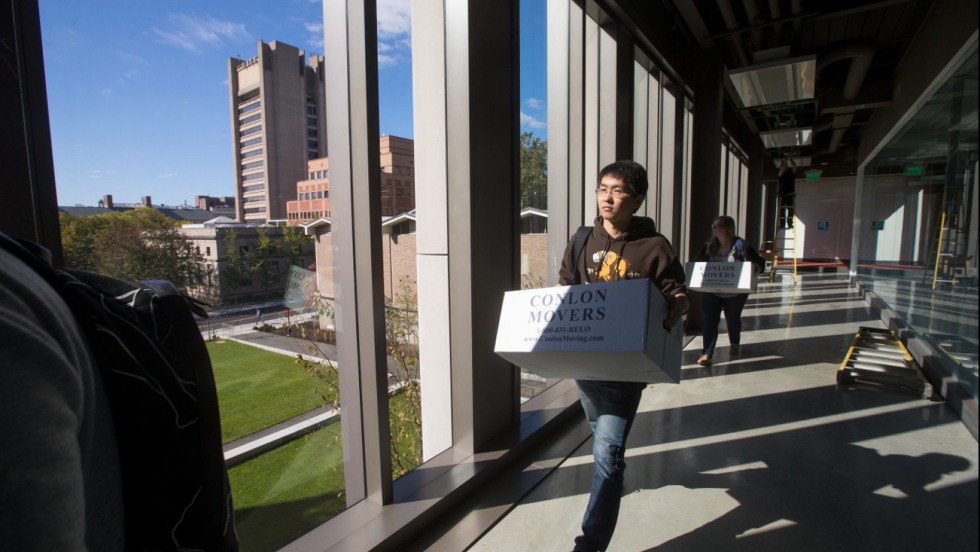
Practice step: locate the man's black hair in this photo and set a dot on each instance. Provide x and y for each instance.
(631, 173)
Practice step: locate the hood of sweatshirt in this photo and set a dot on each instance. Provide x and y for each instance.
(640, 252)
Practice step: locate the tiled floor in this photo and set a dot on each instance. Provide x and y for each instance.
(766, 452)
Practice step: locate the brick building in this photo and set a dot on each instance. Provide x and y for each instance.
(397, 184)
(399, 253)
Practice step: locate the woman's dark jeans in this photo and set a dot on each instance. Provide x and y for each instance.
(711, 309)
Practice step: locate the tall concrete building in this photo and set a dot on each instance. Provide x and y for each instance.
(278, 122)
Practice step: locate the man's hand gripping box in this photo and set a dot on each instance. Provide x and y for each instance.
(607, 331)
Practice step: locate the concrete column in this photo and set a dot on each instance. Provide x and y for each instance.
(465, 56)
(706, 160)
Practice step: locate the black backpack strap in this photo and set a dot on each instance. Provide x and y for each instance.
(578, 245)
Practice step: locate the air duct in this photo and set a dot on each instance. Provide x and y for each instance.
(774, 14)
(860, 53)
(728, 14)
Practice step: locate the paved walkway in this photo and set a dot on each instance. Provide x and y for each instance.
(763, 451)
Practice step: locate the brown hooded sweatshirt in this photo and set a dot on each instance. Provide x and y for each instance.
(641, 252)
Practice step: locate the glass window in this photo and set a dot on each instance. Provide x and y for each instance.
(249, 107)
(915, 220)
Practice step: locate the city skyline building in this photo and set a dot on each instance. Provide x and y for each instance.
(278, 122)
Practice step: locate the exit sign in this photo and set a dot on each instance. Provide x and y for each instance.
(812, 176)
(914, 171)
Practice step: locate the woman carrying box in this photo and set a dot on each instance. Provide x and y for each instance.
(724, 246)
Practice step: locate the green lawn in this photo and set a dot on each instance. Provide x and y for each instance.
(257, 388)
(287, 491)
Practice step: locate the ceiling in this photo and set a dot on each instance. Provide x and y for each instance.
(835, 62)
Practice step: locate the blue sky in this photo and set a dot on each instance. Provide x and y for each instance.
(138, 91)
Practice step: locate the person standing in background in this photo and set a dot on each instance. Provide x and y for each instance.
(786, 190)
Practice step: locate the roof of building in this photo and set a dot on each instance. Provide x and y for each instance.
(177, 213)
(398, 219)
(533, 212)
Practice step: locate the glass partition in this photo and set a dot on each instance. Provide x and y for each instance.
(915, 234)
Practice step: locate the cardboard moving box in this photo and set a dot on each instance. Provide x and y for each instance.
(720, 277)
(608, 331)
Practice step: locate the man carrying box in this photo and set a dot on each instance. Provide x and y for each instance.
(621, 246)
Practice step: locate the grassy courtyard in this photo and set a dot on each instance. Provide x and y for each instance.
(289, 490)
(257, 388)
(286, 491)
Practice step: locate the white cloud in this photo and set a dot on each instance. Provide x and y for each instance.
(529, 121)
(167, 175)
(127, 76)
(193, 33)
(386, 61)
(394, 32)
(99, 173)
(316, 34)
(534, 103)
(394, 18)
(130, 57)
(106, 93)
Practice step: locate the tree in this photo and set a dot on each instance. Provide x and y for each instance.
(264, 261)
(405, 415)
(405, 392)
(234, 271)
(297, 244)
(534, 172)
(78, 238)
(140, 244)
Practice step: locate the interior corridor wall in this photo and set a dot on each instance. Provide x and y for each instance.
(825, 218)
(897, 219)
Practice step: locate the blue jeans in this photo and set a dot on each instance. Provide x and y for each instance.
(610, 407)
(711, 307)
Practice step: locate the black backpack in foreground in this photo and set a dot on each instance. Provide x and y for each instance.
(161, 390)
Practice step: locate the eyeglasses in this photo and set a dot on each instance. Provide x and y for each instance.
(717, 225)
(617, 193)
